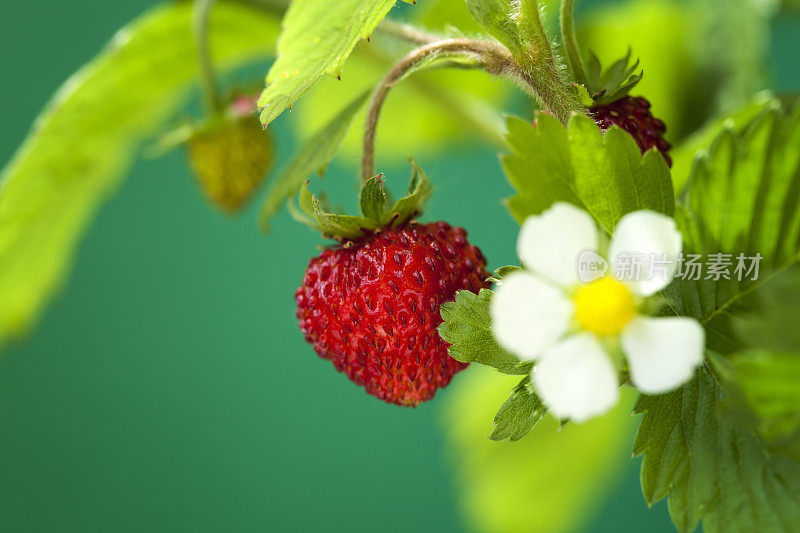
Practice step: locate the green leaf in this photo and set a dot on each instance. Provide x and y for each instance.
(742, 198)
(606, 175)
(503, 271)
(519, 414)
(766, 374)
(772, 325)
(316, 39)
(553, 480)
(84, 141)
(696, 145)
(711, 469)
(314, 156)
(467, 327)
(768, 382)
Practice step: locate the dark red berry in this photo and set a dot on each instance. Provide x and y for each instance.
(372, 307)
(633, 115)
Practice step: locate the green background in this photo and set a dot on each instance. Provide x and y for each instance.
(167, 387)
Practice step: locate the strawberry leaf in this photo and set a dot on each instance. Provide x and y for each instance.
(84, 141)
(605, 174)
(742, 197)
(696, 146)
(519, 414)
(467, 327)
(712, 470)
(767, 381)
(316, 39)
(765, 375)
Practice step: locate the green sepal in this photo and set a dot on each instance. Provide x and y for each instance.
(583, 95)
(316, 212)
(373, 198)
(410, 205)
(611, 84)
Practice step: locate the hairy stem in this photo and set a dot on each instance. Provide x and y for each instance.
(494, 58)
(571, 42)
(200, 16)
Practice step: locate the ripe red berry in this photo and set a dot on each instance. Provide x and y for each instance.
(633, 115)
(372, 307)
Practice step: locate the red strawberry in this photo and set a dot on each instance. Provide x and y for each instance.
(633, 115)
(371, 306)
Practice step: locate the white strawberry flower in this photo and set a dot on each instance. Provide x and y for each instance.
(574, 327)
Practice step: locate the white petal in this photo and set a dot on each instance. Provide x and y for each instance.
(662, 352)
(576, 379)
(529, 315)
(643, 236)
(550, 243)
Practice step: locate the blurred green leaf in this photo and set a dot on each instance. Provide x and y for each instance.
(314, 156)
(696, 145)
(605, 174)
(710, 469)
(773, 323)
(316, 39)
(550, 481)
(770, 384)
(766, 374)
(467, 326)
(85, 139)
(742, 198)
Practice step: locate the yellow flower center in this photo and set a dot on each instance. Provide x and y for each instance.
(604, 306)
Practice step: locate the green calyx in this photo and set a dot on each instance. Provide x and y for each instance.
(611, 84)
(594, 85)
(316, 212)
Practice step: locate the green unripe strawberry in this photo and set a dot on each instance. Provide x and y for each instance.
(230, 157)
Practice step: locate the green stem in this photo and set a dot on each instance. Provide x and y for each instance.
(541, 79)
(200, 16)
(537, 71)
(571, 42)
